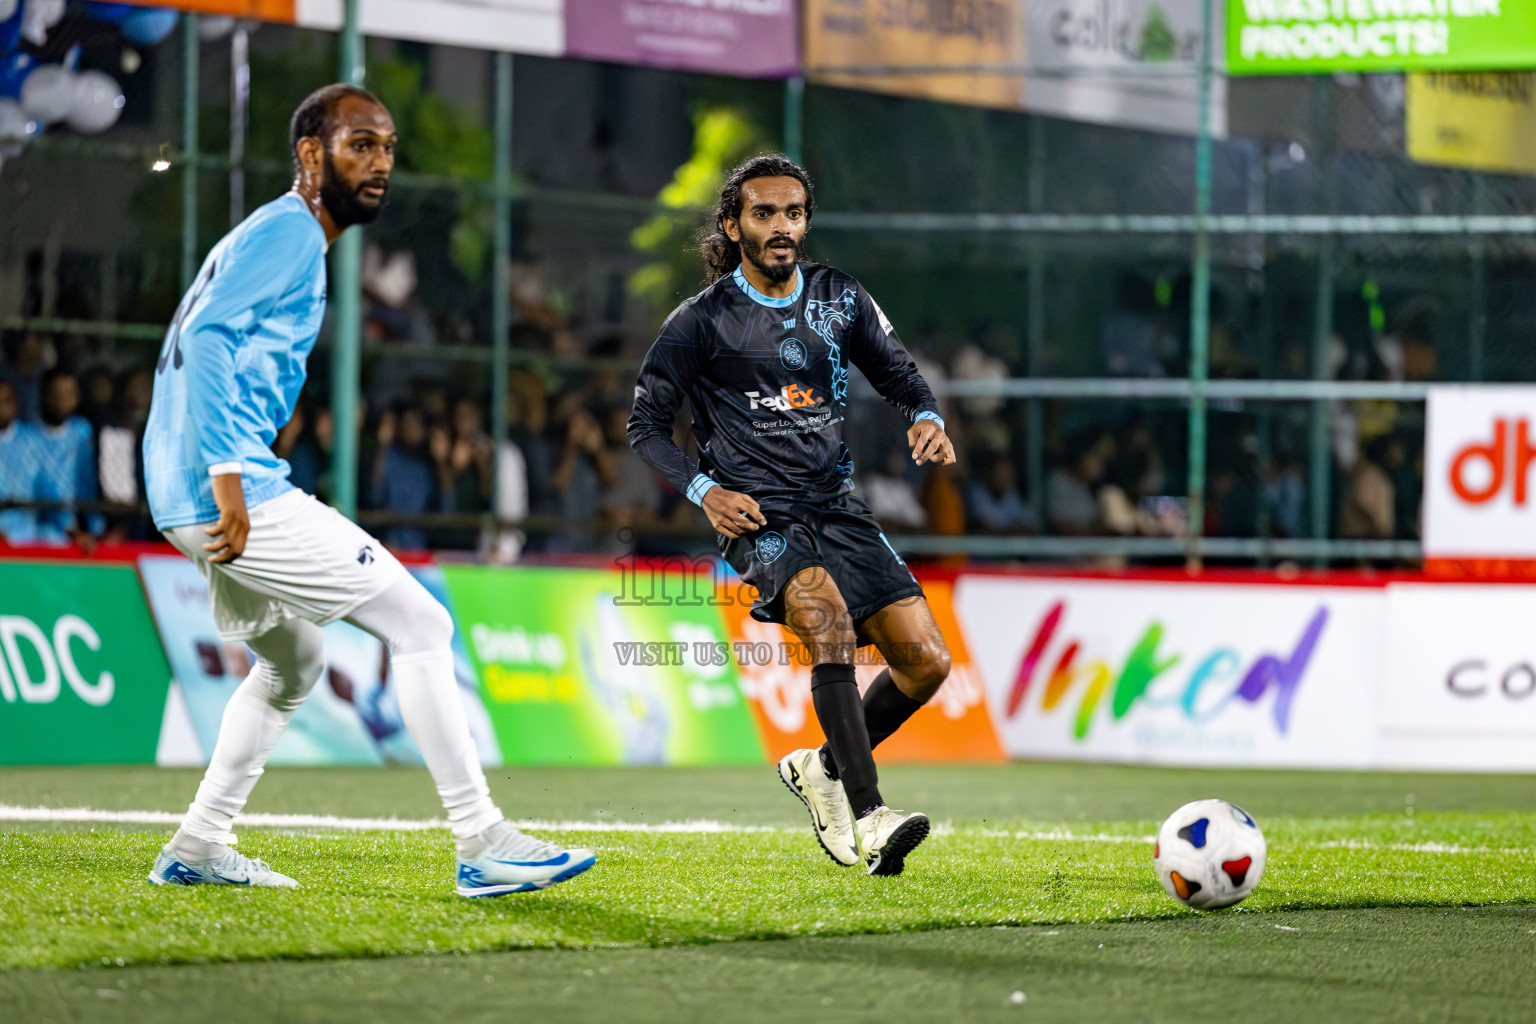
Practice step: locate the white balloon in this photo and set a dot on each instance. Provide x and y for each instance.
(210, 27)
(38, 17)
(48, 93)
(98, 102)
(7, 8)
(13, 128)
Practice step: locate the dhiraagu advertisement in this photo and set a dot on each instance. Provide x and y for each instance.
(82, 676)
(571, 675)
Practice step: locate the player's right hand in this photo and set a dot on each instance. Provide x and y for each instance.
(234, 524)
(731, 512)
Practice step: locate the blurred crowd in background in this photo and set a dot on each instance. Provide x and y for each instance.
(564, 480)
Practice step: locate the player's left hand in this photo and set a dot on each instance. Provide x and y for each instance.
(929, 443)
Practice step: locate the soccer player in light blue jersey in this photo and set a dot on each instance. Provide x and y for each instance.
(279, 564)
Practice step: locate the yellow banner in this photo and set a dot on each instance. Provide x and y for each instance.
(1483, 121)
(918, 33)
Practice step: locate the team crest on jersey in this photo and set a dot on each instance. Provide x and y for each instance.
(829, 319)
(770, 546)
(792, 353)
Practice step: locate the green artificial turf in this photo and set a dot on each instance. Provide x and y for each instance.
(1061, 850)
(1401, 965)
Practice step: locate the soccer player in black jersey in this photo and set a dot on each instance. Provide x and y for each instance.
(762, 356)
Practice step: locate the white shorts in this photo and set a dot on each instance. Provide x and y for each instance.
(303, 560)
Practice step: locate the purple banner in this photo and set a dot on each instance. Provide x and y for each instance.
(745, 38)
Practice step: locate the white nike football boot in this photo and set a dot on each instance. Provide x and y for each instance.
(189, 861)
(501, 860)
(831, 817)
(887, 836)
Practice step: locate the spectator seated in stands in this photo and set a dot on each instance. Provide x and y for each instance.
(297, 443)
(27, 355)
(66, 451)
(403, 480)
(995, 504)
(19, 469)
(633, 500)
(892, 496)
(586, 468)
(464, 473)
(1070, 505)
(1369, 511)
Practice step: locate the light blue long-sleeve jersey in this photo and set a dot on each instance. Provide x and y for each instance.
(232, 365)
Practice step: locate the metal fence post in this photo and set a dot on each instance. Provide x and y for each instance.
(1034, 408)
(1320, 455)
(346, 298)
(1200, 297)
(189, 105)
(501, 278)
(794, 118)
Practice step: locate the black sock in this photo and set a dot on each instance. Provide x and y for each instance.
(886, 709)
(835, 696)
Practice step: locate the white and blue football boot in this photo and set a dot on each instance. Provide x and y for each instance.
(188, 861)
(501, 860)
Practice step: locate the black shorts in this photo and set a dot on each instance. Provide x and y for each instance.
(841, 536)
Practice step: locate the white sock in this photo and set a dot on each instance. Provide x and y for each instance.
(431, 708)
(249, 730)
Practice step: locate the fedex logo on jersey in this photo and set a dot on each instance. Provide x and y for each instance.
(789, 398)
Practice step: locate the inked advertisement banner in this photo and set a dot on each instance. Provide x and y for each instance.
(1483, 121)
(1129, 63)
(1277, 37)
(953, 726)
(963, 34)
(576, 668)
(746, 38)
(1460, 691)
(1212, 674)
(352, 716)
(82, 678)
(517, 26)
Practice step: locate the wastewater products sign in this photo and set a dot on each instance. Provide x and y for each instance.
(1277, 37)
(82, 676)
(576, 668)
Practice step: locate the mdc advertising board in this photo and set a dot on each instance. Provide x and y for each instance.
(82, 677)
(1478, 449)
(1177, 673)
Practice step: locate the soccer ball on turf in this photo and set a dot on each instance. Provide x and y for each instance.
(1209, 854)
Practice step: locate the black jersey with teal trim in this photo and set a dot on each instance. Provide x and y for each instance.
(768, 382)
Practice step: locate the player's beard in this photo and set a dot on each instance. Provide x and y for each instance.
(776, 272)
(345, 203)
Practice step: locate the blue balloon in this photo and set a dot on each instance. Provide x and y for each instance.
(148, 26)
(14, 69)
(10, 29)
(112, 14)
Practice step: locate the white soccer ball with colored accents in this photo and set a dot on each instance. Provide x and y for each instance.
(1209, 854)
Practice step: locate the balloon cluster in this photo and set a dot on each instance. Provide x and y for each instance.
(35, 95)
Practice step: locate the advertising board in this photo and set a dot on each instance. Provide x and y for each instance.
(576, 670)
(1276, 37)
(1177, 673)
(1478, 448)
(82, 677)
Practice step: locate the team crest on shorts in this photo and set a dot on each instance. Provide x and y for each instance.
(792, 353)
(770, 546)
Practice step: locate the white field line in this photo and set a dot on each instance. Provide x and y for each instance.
(697, 826)
(10, 812)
